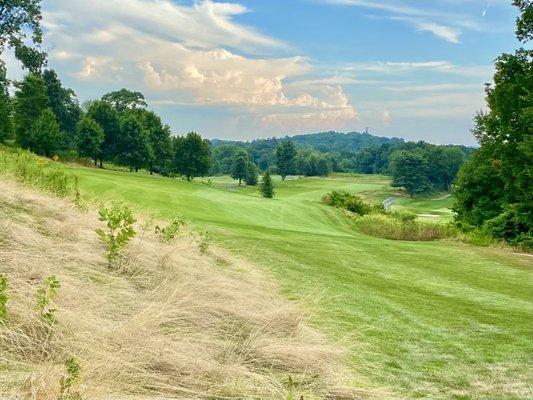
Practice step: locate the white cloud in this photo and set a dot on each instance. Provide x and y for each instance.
(386, 117)
(444, 32)
(192, 55)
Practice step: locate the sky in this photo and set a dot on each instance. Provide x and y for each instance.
(260, 68)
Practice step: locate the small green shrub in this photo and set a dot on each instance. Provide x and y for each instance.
(3, 298)
(388, 227)
(406, 217)
(347, 201)
(119, 229)
(169, 233)
(45, 295)
(72, 368)
(204, 242)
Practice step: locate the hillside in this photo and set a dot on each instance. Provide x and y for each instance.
(433, 320)
(168, 323)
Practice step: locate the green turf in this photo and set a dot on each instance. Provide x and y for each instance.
(435, 320)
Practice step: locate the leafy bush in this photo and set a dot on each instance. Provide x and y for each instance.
(45, 295)
(3, 298)
(169, 233)
(347, 201)
(406, 217)
(72, 377)
(37, 172)
(510, 224)
(204, 242)
(119, 229)
(389, 227)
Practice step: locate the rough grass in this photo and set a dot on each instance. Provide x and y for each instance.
(169, 323)
(389, 227)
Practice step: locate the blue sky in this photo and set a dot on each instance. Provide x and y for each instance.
(258, 68)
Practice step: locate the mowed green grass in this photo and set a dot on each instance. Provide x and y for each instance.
(435, 320)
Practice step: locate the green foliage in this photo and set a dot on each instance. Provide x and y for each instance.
(6, 107)
(30, 102)
(65, 106)
(406, 217)
(524, 23)
(90, 138)
(160, 141)
(192, 156)
(45, 135)
(391, 227)
(347, 201)
(409, 170)
(252, 174)
(239, 169)
(266, 187)
(20, 29)
(107, 117)
(66, 383)
(3, 298)
(45, 295)
(124, 99)
(204, 241)
(133, 147)
(169, 232)
(119, 229)
(285, 157)
(37, 172)
(494, 189)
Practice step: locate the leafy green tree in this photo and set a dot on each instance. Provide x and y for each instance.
(240, 166)
(266, 187)
(285, 156)
(90, 138)
(20, 30)
(192, 156)
(499, 178)
(125, 99)
(322, 166)
(6, 109)
(45, 135)
(30, 102)
(409, 170)
(134, 147)
(252, 173)
(107, 117)
(160, 140)
(65, 105)
(119, 229)
(223, 157)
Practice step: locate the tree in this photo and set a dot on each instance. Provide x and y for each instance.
(65, 105)
(108, 119)
(251, 173)
(125, 99)
(322, 166)
(160, 141)
(496, 184)
(30, 102)
(285, 156)
(240, 166)
(192, 156)
(90, 138)
(6, 118)
(409, 170)
(266, 187)
(45, 135)
(133, 148)
(20, 30)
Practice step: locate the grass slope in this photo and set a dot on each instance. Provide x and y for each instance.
(167, 323)
(436, 320)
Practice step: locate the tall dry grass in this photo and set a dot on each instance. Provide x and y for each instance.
(168, 323)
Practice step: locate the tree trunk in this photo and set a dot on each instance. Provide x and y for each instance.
(239, 181)
(188, 178)
(101, 163)
(136, 169)
(95, 161)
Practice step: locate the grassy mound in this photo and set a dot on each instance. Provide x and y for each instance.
(170, 322)
(397, 228)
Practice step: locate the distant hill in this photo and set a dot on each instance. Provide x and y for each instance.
(324, 142)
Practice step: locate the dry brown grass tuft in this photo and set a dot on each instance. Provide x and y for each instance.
(168, 323)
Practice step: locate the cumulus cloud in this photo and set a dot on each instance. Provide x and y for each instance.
(179, 54)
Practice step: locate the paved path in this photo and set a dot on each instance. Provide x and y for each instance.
(388, 202)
